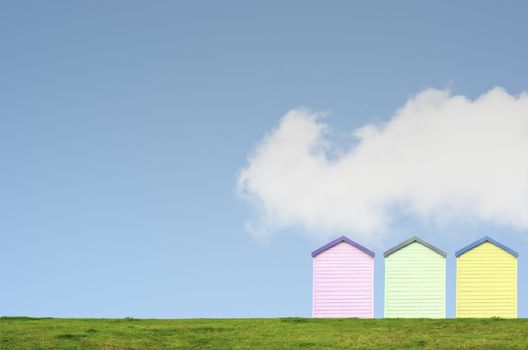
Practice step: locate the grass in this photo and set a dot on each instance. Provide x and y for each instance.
(277, 333)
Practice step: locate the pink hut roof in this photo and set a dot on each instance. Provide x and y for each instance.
(339, 240)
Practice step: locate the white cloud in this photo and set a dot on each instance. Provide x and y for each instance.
(440, 158)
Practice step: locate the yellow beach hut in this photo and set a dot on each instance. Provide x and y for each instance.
(486, 280)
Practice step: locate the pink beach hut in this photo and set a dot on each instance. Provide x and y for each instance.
(343, 280)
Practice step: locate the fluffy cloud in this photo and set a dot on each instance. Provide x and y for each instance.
(439, 158)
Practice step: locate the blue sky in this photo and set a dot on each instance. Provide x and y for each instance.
(124, 126)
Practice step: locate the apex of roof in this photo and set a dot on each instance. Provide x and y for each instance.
(412, 240)
(484, 240)
(339, 240)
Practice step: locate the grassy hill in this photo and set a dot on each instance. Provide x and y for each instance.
(280, 333)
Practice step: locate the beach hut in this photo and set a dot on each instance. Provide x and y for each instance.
(415, 280)
(486, 280)
(343, 280)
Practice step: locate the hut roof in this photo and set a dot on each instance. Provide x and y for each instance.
(339, 240)
(483, 240)
(412, 240)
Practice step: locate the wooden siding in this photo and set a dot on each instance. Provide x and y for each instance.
(486, 283)
(415, 283)
(343, 283)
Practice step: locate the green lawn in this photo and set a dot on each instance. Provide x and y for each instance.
(281, 333)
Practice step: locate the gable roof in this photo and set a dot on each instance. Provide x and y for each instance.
(412, 240)
(339, 240)
(484, 240)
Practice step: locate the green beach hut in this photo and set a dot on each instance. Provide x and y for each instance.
(415, 280)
